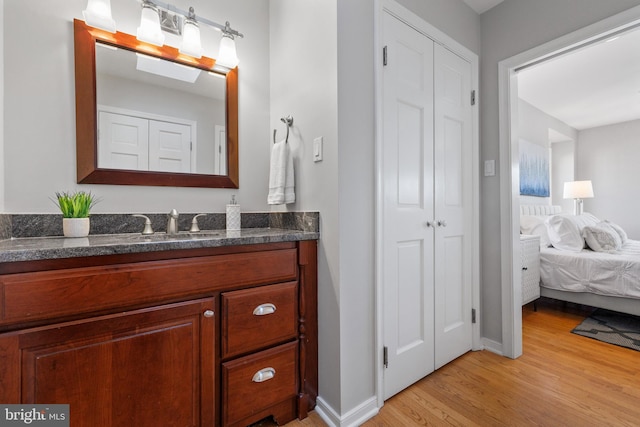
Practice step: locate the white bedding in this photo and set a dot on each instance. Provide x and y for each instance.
(611, 274)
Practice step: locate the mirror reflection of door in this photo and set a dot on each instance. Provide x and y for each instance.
(169, 96)
(221, 151)
(132, 140)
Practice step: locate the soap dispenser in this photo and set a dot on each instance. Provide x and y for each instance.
(233, 215)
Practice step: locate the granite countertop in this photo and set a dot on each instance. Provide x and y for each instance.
(42, 248)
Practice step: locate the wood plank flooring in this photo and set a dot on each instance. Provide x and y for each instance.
(562, 379)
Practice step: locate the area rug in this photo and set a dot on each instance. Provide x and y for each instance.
(611, 327)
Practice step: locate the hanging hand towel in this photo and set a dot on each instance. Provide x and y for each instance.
(281, 184)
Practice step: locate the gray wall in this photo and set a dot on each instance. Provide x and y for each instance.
(534, 126)
(512, 27)
(608, 156)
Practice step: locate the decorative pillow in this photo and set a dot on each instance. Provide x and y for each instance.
(565, 231)
(602, 237)
(534, 225)
(619, 230)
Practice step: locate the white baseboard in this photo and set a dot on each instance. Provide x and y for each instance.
(492, 346)
(355, 417)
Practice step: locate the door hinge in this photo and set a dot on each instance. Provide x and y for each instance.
(385, 356)
(473, 97)
(473, 315)
(384, 56)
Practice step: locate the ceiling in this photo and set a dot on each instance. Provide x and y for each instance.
(595, 86)
(481, 6)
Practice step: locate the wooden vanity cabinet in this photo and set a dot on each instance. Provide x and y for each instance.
(224, 336)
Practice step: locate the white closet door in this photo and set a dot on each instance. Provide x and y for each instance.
(407, 206)
(122, 142)
(453, 206)
(169, 147)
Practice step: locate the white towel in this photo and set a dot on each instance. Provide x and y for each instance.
(281, 185)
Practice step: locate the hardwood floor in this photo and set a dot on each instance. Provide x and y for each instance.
(562, 379)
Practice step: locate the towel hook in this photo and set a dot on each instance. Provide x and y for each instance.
(289, 122)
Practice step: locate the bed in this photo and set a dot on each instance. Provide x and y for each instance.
(607, 276)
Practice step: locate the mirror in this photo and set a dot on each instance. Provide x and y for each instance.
(148, 115)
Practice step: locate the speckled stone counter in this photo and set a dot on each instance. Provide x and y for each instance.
(275, 228)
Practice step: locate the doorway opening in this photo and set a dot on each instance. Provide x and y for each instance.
(509, 158)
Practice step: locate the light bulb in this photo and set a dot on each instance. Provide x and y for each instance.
(149, 30)
(227, 56)
(98, 14)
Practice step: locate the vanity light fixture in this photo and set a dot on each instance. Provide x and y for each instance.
(98, 14)
(191, 44)
(158, 16)
(227, 56)
(149, 30)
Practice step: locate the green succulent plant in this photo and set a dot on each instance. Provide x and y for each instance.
(77, 204)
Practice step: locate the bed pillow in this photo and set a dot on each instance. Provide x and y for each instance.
(535, 226)
(619, 230)
(565, 231)
(602, 237)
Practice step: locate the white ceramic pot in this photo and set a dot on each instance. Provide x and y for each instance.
(75, 227)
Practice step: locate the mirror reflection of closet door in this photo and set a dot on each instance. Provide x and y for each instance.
(123, 142)
(169, 147)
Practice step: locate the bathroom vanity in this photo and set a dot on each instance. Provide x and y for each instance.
(211, 332)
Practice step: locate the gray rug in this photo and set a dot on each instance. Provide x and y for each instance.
(611, 327)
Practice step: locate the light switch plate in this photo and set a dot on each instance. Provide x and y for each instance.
(489, 168)
(317, 149)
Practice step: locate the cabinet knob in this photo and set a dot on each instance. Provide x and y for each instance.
(263, 375)
(428, 224)
(442, 223)
(264, 309)
(525, 268)
(208, 313)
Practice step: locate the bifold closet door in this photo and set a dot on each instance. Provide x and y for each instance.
(407, 169)
(426, 212)
(453, 206)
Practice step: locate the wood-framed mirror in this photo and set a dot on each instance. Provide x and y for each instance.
(128, 144)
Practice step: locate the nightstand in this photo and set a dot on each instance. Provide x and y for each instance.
(530, 255)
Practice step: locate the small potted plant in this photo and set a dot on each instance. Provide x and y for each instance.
(75, 208)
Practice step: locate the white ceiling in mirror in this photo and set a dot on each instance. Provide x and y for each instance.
(122, 63)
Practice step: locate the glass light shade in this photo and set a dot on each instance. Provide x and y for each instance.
(227, 56)
(191, 44)
(98, 14)
(578, 190)
(149, 30)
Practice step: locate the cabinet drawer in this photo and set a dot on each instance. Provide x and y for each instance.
(50, 294)
(253, 383)
(257, 318)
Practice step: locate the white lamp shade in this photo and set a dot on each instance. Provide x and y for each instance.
(149, 30)
(227, 56)
(578, 190)
(191, 44)
(98, 14)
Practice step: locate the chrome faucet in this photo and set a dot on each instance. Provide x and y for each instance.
(172, 223)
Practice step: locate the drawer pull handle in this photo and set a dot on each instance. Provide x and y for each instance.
(264, 309)
(264, 375)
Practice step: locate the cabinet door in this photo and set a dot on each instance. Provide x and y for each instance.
(144, 368)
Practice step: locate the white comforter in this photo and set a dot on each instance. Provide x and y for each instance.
(613, 274)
